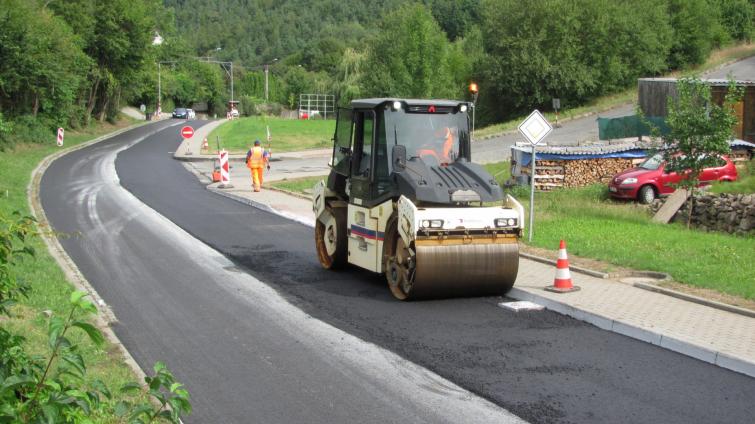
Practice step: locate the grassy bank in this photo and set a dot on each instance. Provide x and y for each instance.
(603, 103)
(622, 233)
(49, 288)
(298, 185)
(287, 134)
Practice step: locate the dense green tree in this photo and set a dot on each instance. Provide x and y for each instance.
(571, 49)
(409, 57)
(41, 66)
(455, 17)
(696, 29)
(736, 16)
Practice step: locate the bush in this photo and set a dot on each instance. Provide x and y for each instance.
(736, 17)
(52, 388)
(248, 106)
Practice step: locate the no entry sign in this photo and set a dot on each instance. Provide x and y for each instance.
(187, 132)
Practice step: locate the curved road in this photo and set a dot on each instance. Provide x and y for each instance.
(268, 336)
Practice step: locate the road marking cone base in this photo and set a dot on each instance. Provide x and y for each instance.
(562, 283)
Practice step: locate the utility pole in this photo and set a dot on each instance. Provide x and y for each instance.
(267, 71)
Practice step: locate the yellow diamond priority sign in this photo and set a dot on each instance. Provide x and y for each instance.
(535, 127)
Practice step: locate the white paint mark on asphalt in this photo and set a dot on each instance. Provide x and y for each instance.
(521, 305)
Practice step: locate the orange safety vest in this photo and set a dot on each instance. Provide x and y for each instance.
(256, 159)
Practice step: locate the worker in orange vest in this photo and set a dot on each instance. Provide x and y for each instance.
(257, 159)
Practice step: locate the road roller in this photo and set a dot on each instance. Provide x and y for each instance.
(404, 199)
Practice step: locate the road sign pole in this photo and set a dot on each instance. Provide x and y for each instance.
(532, 195)
(535, 128)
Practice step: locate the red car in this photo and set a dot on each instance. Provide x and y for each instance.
(650, 179)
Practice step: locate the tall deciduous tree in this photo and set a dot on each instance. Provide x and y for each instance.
(700, 130)
(409, 57)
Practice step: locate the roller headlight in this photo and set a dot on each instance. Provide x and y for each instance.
(463, 108)
(396, 105)
(505, 222)
(432, 223)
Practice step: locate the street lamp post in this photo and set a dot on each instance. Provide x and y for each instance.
(267, 71)
(475, 91)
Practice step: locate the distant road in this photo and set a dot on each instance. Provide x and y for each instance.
(586, 129)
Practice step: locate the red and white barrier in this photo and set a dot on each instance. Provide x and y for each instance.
(225, 174)
(61, 134)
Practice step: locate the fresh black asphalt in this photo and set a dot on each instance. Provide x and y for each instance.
(542, 366)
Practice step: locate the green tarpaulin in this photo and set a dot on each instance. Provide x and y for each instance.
(630, 126)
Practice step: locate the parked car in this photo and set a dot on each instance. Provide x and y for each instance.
(180, 113)
(651, 179)
(234, 113)
(191, 113)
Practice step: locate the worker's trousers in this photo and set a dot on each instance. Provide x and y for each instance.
(257, 178)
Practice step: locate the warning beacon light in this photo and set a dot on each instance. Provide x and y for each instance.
(473, 88)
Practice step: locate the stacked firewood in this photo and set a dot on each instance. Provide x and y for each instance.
(549, 174)
(584, 172)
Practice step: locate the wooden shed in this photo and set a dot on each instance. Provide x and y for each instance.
(654, 93)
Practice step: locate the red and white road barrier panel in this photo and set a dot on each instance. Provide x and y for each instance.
(61, 134)
(562, 283)
(225, 174)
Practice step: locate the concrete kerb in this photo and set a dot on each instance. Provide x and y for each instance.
(717, 358)
(105, 317)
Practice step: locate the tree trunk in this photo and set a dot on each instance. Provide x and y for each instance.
(92, 99)
(35, 108)
(103, 111)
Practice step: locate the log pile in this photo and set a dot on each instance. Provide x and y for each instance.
(584, 172)
(551, 174)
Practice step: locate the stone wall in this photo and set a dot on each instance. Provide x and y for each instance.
(731, 213)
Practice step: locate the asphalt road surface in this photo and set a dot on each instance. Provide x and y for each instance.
(268, 336)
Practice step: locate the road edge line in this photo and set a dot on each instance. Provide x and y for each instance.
(713, 357)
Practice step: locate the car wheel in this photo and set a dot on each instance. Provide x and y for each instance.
(646, 194)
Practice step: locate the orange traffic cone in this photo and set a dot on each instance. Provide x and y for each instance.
(562, 283)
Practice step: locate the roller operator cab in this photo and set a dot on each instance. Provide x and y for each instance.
(404, 199)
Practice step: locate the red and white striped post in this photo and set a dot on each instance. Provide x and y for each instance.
(61, 134)
(225, 174)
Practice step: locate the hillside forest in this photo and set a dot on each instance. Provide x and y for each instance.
(68, 63)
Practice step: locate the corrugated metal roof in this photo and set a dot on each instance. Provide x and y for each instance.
(586, 150)
(711, 81)
(741, 143)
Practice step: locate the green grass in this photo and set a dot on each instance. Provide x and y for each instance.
(611, 101)
(745, 183)
(623, 234)
(287, 134)
(49, 288)
(298, 185)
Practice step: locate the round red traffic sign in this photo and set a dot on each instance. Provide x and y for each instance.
(187, 132)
